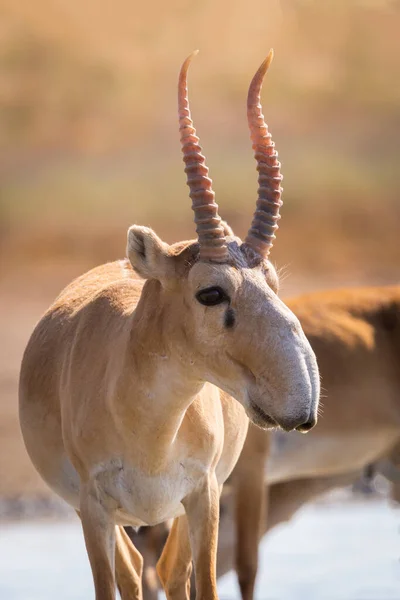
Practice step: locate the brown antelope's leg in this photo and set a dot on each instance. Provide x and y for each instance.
(390, 468)
(128, 567)
(287, 497)
(202, 510)
(175, 565)
(150, 541)
(395, 492)
(250, 507)
(395, 457)
(99, 532)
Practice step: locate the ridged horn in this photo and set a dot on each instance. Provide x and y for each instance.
(265, 220)
(210, 232)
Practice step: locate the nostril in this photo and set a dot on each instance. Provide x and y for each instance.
(307, 426)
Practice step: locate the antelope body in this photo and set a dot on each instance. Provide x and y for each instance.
(134, 391)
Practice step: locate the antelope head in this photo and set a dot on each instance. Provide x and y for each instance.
(219, 295)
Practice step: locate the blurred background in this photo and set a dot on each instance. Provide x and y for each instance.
(89, 145)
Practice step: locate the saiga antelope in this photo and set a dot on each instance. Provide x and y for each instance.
(355, 334)
(134, 392)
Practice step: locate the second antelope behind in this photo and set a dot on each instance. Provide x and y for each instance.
(134, 390)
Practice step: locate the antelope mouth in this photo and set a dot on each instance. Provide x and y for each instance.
(261, 418)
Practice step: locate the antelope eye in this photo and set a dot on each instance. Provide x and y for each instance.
(211, 296)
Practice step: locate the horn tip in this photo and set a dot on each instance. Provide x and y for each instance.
(191, 56)
(265, 65)
(185, 66)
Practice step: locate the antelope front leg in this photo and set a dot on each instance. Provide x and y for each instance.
(250, 507)
(99, 532)
(202, 510)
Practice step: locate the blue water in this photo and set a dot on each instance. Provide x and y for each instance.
(327, 552)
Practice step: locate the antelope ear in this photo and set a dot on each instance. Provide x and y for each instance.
(148, 254)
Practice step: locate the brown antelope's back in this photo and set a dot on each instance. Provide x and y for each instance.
(355, 334)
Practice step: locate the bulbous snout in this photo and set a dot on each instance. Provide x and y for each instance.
(285, 392)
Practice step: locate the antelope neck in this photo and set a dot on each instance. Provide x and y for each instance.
(158, 384)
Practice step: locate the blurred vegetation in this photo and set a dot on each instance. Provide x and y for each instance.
(88, 128)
